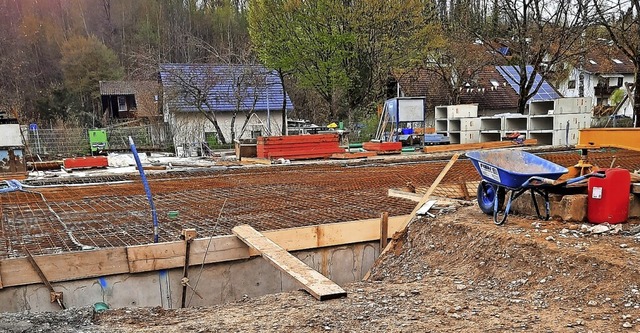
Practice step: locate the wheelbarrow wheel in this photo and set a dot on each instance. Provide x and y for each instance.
(487, 193)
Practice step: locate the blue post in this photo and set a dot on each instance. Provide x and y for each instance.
(154, 215)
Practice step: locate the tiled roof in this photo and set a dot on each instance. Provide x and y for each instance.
(261, 89)
(484, 93)
(491, 93)
(606, 59)
(145, 93)
(117, 88)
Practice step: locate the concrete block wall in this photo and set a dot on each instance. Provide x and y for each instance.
(547, 122)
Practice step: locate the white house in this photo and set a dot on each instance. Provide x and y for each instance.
(248, 96)
(604, 70)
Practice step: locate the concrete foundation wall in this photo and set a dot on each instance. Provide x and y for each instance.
(218, 283)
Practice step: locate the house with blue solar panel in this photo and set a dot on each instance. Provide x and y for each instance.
(207, 104)
(487, 108)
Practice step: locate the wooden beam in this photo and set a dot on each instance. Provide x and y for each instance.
(422, 201)
(481, 145)
(384, 227)
(313, 282)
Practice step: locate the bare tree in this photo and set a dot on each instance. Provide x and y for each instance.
(457, 62)
(621, 19)
(212, 89)
(541, 35)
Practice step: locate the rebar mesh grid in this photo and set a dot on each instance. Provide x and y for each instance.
(65, 218)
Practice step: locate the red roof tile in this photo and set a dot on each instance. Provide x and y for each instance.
(488, 96)
(606, 59)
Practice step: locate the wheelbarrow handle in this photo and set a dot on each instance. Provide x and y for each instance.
(544, 181)
(547, 181)
(581, 178)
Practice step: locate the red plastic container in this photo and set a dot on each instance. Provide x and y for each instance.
(608, 199)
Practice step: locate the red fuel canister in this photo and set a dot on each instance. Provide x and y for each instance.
(608, 199)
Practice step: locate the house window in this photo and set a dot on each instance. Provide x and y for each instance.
(571, 84)
(122, 103)
(592, 62)
(494, 82)
(617, 61)
(619, 82)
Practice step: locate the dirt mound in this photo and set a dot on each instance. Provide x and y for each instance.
(468, 246)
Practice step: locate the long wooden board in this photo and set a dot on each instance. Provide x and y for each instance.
(144, 258)
(65, 266)
(313, 282)
(481, 145)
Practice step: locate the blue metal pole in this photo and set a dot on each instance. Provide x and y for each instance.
(154, 215)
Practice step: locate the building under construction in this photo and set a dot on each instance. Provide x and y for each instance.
(78, 241)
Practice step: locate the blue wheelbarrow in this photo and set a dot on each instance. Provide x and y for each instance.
(516, 171)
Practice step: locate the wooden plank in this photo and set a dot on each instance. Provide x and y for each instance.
(313, 282)
(404, 195)
(255, 160)
(297, 139)
(346, 156)
(422, 201)
(144, 258)
(382, 146)
(481, 145)
(65, 266)
(334, 234)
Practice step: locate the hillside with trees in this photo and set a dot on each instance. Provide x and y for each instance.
(335, 57)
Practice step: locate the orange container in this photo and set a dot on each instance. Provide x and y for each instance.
(608, 199)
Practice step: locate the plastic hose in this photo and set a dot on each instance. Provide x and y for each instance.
(147, 190)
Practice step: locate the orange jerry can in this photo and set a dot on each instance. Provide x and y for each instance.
(608, 199)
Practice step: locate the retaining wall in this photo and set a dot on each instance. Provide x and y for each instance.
(217, 283)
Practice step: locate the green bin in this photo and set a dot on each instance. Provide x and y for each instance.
(97, 140)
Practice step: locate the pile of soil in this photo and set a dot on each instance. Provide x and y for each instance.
(457, 272)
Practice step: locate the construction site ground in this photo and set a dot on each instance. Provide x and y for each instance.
(457, 272)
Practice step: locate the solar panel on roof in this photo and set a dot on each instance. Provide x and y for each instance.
(545, 93)
(223, 93)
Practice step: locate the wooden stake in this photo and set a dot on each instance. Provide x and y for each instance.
(422, 201)
(189, 235)
(465, 191)
(384, 227)
(55, 296)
